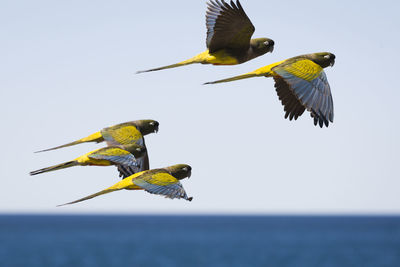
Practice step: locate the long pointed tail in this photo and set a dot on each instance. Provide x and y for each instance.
(118, 186)
(163, 68)
(240, 77)
(55, 167)
(96, 137)
(91, 196)
(261, 72)
(196, 59)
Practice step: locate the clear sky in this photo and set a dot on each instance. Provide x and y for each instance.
(68, 70)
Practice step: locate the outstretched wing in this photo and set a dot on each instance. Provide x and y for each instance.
(303, 85)
(292, 105)
(161, 183)
(227, 26)
(143, 165)
(116, 155)
(122, 134)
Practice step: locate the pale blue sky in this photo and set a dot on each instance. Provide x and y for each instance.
(68, 70)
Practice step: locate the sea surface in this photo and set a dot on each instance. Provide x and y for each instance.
(41, 240)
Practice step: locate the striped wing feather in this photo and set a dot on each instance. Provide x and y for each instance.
(161, 183)
(304, 83)
(143, 165)
(116, 155)
(228, 26)
(292, 105)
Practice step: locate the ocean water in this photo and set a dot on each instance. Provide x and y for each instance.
(28, 240)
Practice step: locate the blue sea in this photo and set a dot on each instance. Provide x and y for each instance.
(41, 240)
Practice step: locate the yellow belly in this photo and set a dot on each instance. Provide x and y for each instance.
(133, 187)
(85, 160)
(218, 58)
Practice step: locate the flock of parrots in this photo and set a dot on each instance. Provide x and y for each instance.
(300, 82)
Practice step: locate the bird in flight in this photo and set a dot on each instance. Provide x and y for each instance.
(121, 134)
(228, 41)
(301, 84)
(121, 156)
(127, 133)
(163, 182)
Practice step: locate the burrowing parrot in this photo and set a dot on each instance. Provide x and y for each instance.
(301, 84)
(229, 42)
(163, 182)
(124, 157)
(121, 134)
(132, 132)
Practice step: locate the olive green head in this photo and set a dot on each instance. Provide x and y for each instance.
(146, 126)
(260, 46)
(136, 150)
(324, 59)
(180, 171)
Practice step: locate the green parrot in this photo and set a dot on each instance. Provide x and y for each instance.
(163, 182)
(121, 134)
(124, 157)
(229, 42)
(301, 84)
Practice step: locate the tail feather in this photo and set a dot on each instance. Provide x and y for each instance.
(91, 196)
(55, 167)
(196, 59)
(57, 147)
(261, 72)
(235, 78)
(118, 186)
(163, 68)
(96, 137)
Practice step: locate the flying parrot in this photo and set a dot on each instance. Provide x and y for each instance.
(301, 84)
(127, 133)
(121, 134)
(124, 157)
(163, 182)
(229, 42)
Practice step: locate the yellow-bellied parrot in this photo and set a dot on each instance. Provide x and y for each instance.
(301, 84)
(229, 42)
(163, 182)
(124, 157)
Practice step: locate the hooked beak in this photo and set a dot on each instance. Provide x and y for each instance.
(271, 49)
(156, 129)
(189, 174)
(332, 63)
